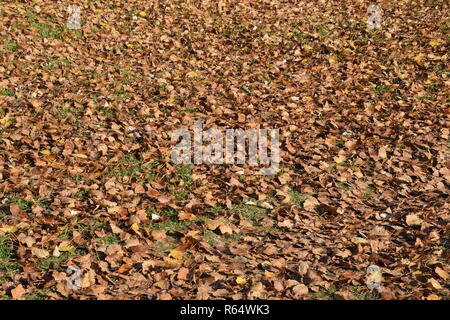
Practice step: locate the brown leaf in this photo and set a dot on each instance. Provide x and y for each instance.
(18, 292)
(310, 204)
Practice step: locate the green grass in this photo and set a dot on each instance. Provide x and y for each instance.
(235, 237)
(89, 227)
(66, 234)
(343, 186)
(164, 246)
(24, 205)
(11, 46)
(3, 213)
(111, 239)
(185, 174)
(298, 198)
(169, 225)
(368, 192)
(362, 293)
(54, 262)
(37, 294)
(381, 89)
(56, 63)
(5, 247)
(7, 92)
(250, 212)
(210, 237)
(180, 195)
(326, 294)
(266, 230)
(217, 209)
(128, 166)
(7, 263)
(192, 110)
(45, 30)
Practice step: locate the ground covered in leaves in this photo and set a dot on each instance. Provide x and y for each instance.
(86, 118)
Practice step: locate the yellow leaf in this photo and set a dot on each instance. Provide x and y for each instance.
(143, 14)
(433, 42)
(46, 152)
(172, 263)
(435, 283)
(419, 59)
(80, 155)
(171, 101)
(135, 227)
(176, 254)
(358, 240)
(10, 229)
(66, 248)
(5, 120)
(240, 280)
(192, 74)
(333, 59)
(284, 178)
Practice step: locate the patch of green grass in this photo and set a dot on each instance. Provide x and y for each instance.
(56, 63)
(107, 111)
(362, 293)
(80, 194)
(323, 31)
(91, 225)
(11, 46)
(37, 294)
(185, 174)
(298, 198)
(54, 262)
(193, 110)
(343, 186)
(347, 164)
(164, 246)
(7, 256)
(45, 30)
(210, 237)
(381, 89)
(3, 214)
(152, 211)
(128, 166)
(216, 209)
(235, 237)
(7, 92)
(327, 294)
(250, 212)
(266, 230)
(5, 247)
(172, 222)
(24, 205)
(180, 195)
(66, 234)
(169, 225)
(111, 239)
(368, 192)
